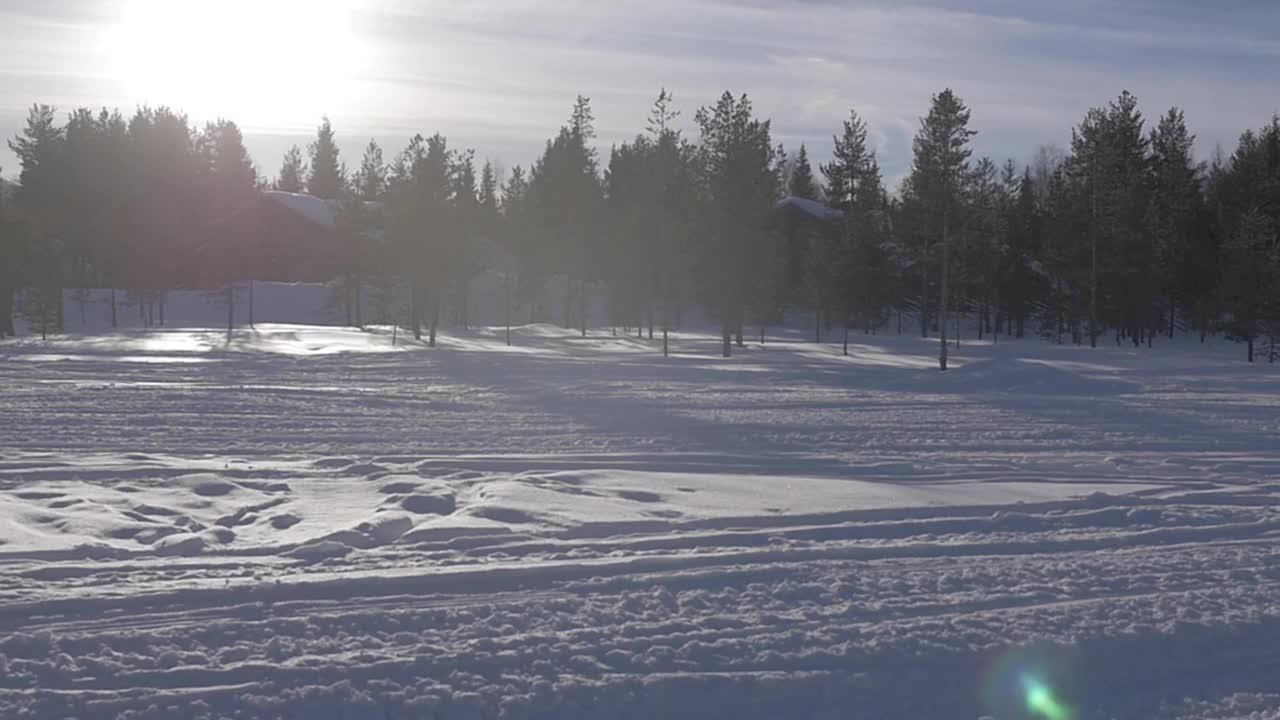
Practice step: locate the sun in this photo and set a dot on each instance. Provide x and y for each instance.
(259, 62)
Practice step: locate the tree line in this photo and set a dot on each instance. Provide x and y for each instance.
(1123, 236)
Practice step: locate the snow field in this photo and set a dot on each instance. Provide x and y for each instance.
(314, 522)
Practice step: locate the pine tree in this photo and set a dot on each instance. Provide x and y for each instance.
(363, 256)
(13, 261)
(325, 177)
(1250, 277)
(514, 236)
(981, 240)
(564, 199)
(673, 209)
(1124, 197)
(232, 184)
(939, 167)
(513, 198)
(1175, 214)
(860, 261)
(1246, 192)
(421, 222)
(1021, 276)
(487, 223)
(230, 167)
(40, 149)
(467, 225)
(741, 180)
(293, 172)
(371, 179)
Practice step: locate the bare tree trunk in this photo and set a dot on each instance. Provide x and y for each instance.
(943, 298)
(347, 302)
(435, 317)
(726, 333)
(465, 302)
(568, 302)
(846, 338)
(1093, 260)
(924, 303)
(231, 309)
(582, 304)
(6, 312)
(251, 325)
(507, 287)
(415, 308)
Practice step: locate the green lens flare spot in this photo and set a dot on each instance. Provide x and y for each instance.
(1040, 702)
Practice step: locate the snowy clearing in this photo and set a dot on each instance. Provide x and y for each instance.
(314, 522)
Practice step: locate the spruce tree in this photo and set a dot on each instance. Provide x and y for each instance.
(801, 183)
(293, 172)
(325, 176)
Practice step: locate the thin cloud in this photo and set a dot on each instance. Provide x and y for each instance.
(502, 75)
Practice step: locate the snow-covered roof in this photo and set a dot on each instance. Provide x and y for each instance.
(318, 210)
(809, 207)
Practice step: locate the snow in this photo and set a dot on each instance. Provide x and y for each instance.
(317, 521)
(812, 208)
(318, 210)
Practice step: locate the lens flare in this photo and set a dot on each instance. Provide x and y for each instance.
(1035, 681)
(1041, 702)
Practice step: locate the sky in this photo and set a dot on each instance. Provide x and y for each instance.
(501, 75)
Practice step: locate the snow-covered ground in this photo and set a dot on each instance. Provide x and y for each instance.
(318, 523)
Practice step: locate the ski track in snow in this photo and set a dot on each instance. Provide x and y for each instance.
(315, 523)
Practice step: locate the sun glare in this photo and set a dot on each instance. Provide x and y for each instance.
(259, 62)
